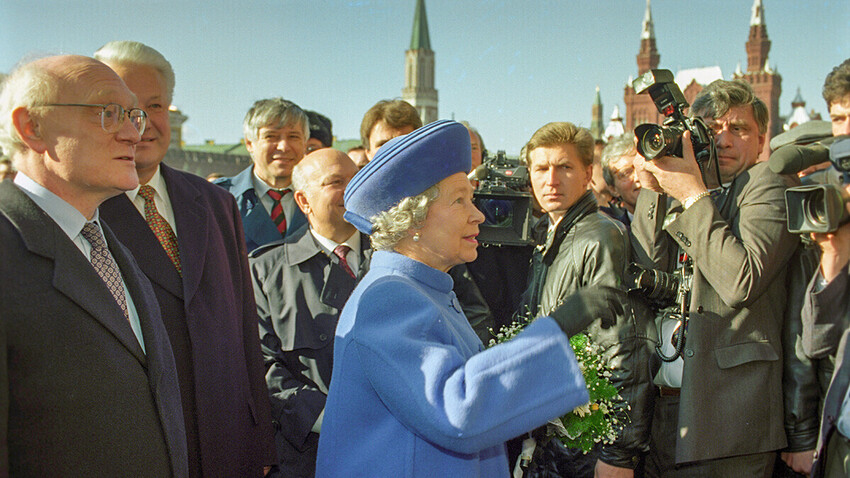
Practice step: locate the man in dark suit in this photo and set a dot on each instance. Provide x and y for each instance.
(732, 341)
(300, 287)
(186, 235)
(88, 385)
(276, 132)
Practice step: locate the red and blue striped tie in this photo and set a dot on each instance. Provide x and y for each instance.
(277, 210)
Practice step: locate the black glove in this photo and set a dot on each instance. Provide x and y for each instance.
(587, 305)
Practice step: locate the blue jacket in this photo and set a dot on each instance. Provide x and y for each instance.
(258, 225)
(414, 393)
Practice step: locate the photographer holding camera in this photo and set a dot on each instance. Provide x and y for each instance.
(826, 312)
(719, 410)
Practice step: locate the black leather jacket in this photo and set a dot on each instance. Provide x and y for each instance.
(805, 379)
(589, 248)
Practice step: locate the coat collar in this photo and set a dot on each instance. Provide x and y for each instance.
(73, 275)
(551, 242)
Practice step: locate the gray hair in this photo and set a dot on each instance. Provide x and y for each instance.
(125, 52)
(29, 86)
(623, 145)
(276, 112)
(720, 96)
(390, 227)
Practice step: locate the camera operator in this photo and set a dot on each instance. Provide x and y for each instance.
(719, 410)
(826, 312)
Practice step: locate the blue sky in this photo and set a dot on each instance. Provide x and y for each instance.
(508, 67)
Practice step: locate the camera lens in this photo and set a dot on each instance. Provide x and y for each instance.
(653, 142)
(814, 208)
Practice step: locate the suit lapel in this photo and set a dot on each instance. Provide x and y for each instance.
(121, 215)
(73, 275)
(259, 226)
(191, 217)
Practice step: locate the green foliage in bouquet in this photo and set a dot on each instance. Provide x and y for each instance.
(599, 420)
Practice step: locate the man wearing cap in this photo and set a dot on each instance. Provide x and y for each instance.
(187, 236)
(321, 132)
(88, 385)
(276, 131)
(300, 287)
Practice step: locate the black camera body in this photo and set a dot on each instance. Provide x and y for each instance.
(662, 290)
(503, 197)
(669, 295)
(654, 141)
(820, 206)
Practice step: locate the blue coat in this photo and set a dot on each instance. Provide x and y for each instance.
(413, 391)
(258, 225)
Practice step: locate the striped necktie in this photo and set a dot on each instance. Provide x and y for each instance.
(341, 251)
(277, 215)
(105, 265)
(160, 227)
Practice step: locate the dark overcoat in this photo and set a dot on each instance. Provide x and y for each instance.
(211, 320)
(78, 395)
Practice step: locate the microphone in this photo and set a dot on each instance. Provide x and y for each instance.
(479, 173)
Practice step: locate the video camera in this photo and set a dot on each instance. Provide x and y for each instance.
(655, 141)
(820, 205)
(503, 197)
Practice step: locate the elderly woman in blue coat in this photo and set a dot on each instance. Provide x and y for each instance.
(414, 393)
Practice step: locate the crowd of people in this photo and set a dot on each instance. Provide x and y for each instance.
(325, 313)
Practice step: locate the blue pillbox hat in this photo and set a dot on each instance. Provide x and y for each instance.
(406, 166)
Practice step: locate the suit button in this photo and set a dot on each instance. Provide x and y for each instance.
(323, 337)
(689, 353)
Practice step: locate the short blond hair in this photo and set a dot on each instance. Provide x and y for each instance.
(560, 133)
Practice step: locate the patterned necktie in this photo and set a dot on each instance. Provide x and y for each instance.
(105, 265)
(160, 227)
(341, 251)
(277, 210)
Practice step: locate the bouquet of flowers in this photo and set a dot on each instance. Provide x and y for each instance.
(600, 419)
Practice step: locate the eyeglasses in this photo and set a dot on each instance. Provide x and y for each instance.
(112, 116)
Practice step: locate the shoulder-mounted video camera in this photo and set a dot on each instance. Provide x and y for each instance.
(819, 204)
(503, 197)
(654, 141)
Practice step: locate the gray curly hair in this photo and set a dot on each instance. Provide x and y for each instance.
(391, 226)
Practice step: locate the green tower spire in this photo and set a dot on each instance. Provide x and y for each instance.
(420, 40)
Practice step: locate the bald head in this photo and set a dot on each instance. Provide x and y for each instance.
(319, 181)
(52, 126)
(305, 173)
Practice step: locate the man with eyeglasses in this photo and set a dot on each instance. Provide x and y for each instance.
(187, 236)
(88, 384)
